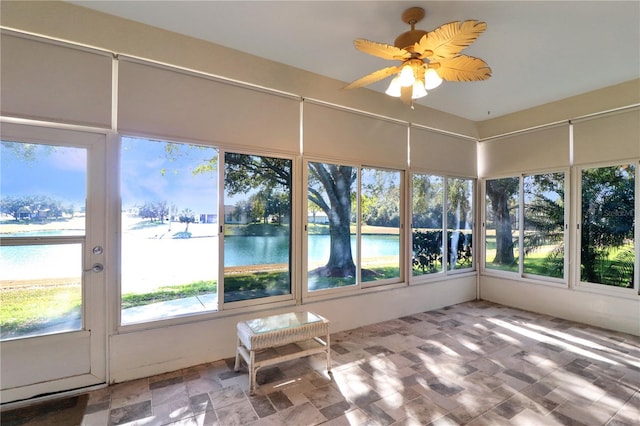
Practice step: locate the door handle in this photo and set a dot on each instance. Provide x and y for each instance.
(97, 267)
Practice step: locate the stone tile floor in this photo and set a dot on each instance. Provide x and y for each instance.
(475, 363)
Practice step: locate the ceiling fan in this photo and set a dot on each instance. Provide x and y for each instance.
(427, 58)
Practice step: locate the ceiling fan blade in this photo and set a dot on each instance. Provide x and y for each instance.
(449, 39)
(373, 77)
(381, 50)
(405, 95)
(463, 68)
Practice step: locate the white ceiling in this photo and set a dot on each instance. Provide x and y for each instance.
(539, 51)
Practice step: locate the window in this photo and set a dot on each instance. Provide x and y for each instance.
(460, 223)
(169, 229)
(540, 200)
(544, 225)
(331, 248)
(607, 248)
(257, 227)
(42, 222)
(335, 236)
(432, 195)
(427, 223)
(380, 224)
(501, 223)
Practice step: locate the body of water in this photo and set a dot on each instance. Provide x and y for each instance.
(179, 259)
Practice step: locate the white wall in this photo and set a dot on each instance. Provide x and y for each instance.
(606, 128)
(613, 313)
(143, 353)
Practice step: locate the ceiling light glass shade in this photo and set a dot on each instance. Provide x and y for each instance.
(418, 90)
(431, 79)
(394, 88)
(406, 76)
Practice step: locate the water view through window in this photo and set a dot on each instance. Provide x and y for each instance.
(169, 239)
(42, 230)
(257, 227)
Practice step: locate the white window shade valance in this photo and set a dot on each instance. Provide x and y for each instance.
(440, 152)
(154, 100)
(340, 134)
(607, 138)
(43, 80)
(544, 148)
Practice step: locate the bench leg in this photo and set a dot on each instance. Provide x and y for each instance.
(236, 367)
(252, 372)
(328, 355)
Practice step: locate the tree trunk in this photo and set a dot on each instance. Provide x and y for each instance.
(340, 262)
(499, 196)
(337, 181)
(504, 237)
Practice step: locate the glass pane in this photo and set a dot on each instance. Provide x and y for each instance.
(501, 226)
(40, 289)
(42, 190)
(257, 227)
(427, 225)
(607, 241)
(331, 193)
(544, 225)
(42, 197)
(169, 264)
(380, 226)
(460, 223)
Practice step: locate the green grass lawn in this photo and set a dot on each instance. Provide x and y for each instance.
(166, 293)
(28, 308)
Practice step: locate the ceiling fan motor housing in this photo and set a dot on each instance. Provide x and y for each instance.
(407, 39)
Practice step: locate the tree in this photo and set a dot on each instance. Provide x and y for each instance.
(33, 207)
(544, 221)
(427, 201)
(267, 179)
(380, 198)
(607, 223)
(187, 216)
(155, 211)
(500, 193)
(12, 206)
(330, 189)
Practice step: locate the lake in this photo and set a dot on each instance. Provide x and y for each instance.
(194, 257)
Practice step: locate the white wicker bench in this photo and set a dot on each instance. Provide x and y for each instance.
(308, 330)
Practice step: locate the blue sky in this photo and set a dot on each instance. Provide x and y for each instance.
(143, 181)
(60, 173)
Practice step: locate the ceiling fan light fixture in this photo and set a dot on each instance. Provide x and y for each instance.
(432, 79)
(427, 57)
(395, 88)
(406, 76)
(419, 90)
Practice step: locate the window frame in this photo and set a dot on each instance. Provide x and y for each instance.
(599, 288)
(520, 275)
(359, 287)
(445, 272)
(401, 239)
(292, 296)
(228, 308)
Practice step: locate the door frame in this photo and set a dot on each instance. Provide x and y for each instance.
(77, 359)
